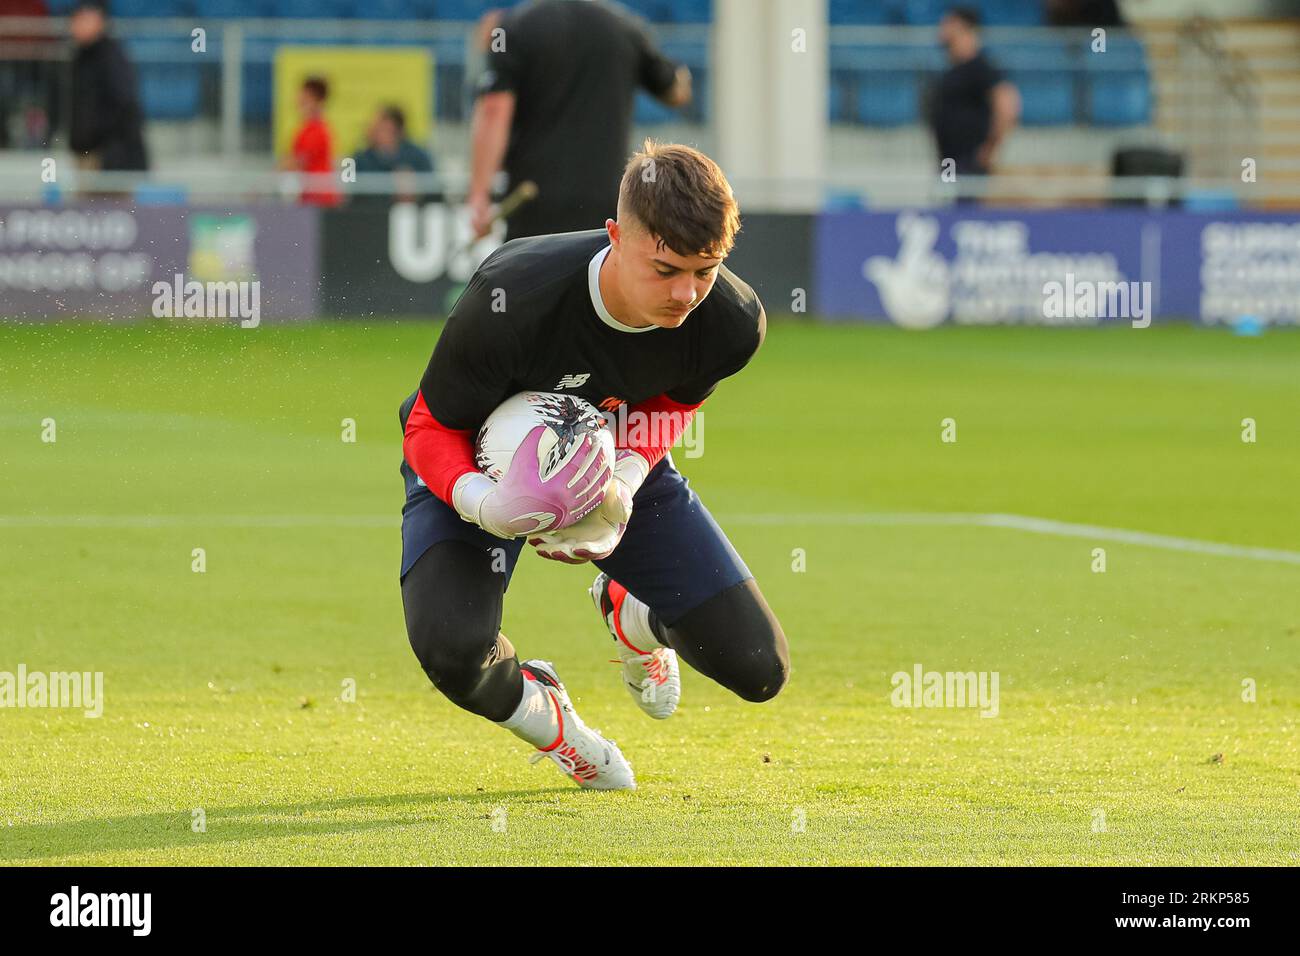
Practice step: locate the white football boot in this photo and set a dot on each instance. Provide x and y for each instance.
(590, 760)
(651, 674)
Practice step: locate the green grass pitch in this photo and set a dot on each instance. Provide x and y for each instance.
(1122, 735)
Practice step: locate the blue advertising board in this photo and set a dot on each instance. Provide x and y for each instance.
(921, 268)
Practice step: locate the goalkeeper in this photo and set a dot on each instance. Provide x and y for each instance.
(642, 320)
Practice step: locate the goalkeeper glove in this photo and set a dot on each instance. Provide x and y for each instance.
(522, 502)
(599, 533)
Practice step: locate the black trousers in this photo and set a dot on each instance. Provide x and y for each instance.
(453, 599)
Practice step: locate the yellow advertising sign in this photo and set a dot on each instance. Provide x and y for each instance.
(361, 79)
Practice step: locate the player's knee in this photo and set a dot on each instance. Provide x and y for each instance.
(762, 673)
(452, 657)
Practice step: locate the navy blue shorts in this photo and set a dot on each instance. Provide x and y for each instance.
(673, 555)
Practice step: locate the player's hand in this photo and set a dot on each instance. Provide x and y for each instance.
(595, 536)
(480, 215)
(523, 503)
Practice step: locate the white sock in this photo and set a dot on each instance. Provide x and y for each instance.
(634, 617)
(536, 719)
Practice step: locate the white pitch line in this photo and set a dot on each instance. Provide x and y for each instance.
(1063, 529)
(1010, 522)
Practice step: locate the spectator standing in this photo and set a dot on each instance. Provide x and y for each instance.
(107, 124)
(555, 107)
(974, 107)
(313, 146)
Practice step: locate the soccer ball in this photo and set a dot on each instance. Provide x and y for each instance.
(567, 419)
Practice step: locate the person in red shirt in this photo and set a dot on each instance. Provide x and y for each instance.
(313, 146)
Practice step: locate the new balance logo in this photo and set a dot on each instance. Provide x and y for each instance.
(573, 381)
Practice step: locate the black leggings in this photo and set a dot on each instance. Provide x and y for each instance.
(453, 599)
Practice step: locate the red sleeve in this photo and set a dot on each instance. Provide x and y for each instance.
(653, 426)
(438, 454)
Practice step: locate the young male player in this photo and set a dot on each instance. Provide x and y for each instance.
(642, 313)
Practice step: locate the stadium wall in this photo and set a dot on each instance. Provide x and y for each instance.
(914, 268)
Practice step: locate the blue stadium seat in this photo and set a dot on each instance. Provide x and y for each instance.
(388, 10)
(1047, 99)
(151, 8)
(925, 12)
(169, 75)
(1119, 98)
(864, 12)
(1210, 200)
(883, 81)
(259, 53)
(231, 9)
(656, 11)
(691, 11)
(649, 111)
(160, 194)
(310, 9)
(1043, 73)
(1012, 13)
(464, 9)
(888, 98)
(1121, 53)
(837, 102)
(1119, 83)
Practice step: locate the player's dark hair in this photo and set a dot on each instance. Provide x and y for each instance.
(967, 15)
(682, 197)
(317, 86)
(395, 116)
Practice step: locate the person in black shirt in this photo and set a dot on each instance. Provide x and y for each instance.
(106, 123)
(975, 106)
(555, 105)
(642, 320)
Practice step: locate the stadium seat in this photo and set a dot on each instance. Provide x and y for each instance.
(925, 12)
(656, 11)
(1118, 82)
(151, 8)
(256, 78)
(465, 9)
(863, 12)
(160, 194)
(888, 98)
(1047, 99)
(231, 9)
(837, 99)
(691, 11)
(1044, 74)
(883, 81)
(1121, 53)
(388, 9)
(310, 9)
(1012, 13)
(1210, 200)
(169, 77)
(1119, 98)
(649, 111)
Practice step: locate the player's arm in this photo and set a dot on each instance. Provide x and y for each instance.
(489, 137)
(474, 366)
(494, 112)
(666, 81)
